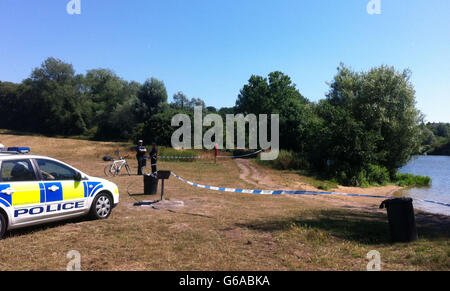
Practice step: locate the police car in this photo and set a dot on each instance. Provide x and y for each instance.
(38, 189)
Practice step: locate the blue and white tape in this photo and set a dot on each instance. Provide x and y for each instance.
(207, 157)
(284, 192)
(243, 156)
(179, 158)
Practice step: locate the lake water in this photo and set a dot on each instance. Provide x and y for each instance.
(438, 168)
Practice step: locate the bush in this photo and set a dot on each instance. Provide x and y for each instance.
(378, 175)
(404, 180)
(287, 160)
(371, 175)
(361, 180)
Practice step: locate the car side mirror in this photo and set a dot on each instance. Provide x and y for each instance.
(77, 176)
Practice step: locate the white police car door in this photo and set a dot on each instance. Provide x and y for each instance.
(21, 191)
(64, 195)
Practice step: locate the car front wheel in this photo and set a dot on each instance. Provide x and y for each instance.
(2, 225)
(102, 206)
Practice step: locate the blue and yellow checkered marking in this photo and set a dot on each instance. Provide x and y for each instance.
(68, 190)
(25, 194)
(35, 193)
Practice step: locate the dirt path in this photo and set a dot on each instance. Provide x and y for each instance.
(252, 175)
(263, 179)
(266, 179)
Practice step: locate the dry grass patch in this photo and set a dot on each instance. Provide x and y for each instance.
(213, 231)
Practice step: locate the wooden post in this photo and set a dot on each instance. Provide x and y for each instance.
(162, 190)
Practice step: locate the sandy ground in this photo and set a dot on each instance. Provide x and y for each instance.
(263, 177)
(268, 179)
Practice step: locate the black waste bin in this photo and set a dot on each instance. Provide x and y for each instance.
(402, 221)
(150, 184)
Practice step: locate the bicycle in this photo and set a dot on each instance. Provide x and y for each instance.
(114, 169)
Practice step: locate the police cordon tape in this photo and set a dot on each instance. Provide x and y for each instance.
(179, 158)
(243, 156)
(283, 192)
(202, 157)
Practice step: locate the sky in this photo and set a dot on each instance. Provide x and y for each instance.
(209, 48)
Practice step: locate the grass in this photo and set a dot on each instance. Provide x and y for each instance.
(404, 180)
(214, 231)
(315, 181)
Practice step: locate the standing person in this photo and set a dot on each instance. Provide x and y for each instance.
(2, 147)
(141, 150)
(154, 157)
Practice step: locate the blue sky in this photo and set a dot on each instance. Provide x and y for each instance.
(210, 48)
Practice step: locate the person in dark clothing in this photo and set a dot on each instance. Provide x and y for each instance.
(141, 151)
(154, 157)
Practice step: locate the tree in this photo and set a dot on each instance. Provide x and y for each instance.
(158, 128)
(267, 95)
(277, 95)
(9, 106)
(226, 110)
(120, 123)
(371, 119)
(211, 109)
(180, 101)
(153, 95)
(196, 102)
(53, 69)
(443, 130)
(387, 106)
(428, 137)
(52, 95)
(343, 148)
(111, 105)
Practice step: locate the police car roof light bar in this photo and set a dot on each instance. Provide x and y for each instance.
(19, 150)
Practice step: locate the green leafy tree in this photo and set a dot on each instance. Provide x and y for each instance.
(371, 119)
(153, 95)
(196, 102)
(278, 95)
(158, 127)
(52, 95)
(443, 129)
(180, 101)
(428, 136)
(111, 105)
(211, 109)
(9, 105)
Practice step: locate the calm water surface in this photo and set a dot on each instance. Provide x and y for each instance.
(438, 168)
